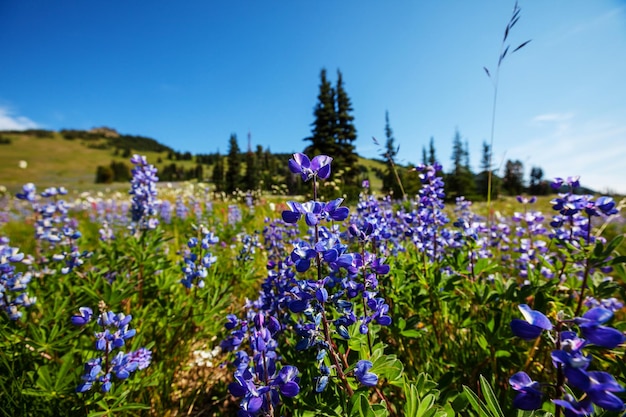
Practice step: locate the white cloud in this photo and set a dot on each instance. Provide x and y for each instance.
(11, 121)
(567, 145)
(552, 117)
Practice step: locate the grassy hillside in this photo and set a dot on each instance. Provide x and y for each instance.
(70, 158)
(54, 160)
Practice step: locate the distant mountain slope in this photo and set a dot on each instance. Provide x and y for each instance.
(71, 157)
(68, 157)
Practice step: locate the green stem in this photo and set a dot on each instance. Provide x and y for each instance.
(583, 286)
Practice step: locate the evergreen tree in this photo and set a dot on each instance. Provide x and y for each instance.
(199, 173)
(513, 180)
(390, 148)
(460, 181)
(466, 160)
(121, 171)
(482, 179)
(233, 172)
(392, 181)
(334, 133)
(345, 156)
(537, 185)
(104, 175)
(432, 157)
(218, 173)
(251, 178)
(323, 132)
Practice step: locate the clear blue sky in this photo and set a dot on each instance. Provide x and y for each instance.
(191, 73)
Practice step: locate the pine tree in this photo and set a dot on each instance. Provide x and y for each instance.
(513, 180)
(217, 175)
(251, 179)
(392, 182)
(345, 156)
(432, 157)
(537, 185)
(482, 179)
(233, 173)
(460, 181)
(333, 133)
(322, 139)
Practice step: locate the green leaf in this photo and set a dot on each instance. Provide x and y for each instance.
(411, 333)
(618, 260)
(613, 244)
(359, 406)
(426, 406)
(490, 398)
(476, 403)
(388, 366)
(412, 403)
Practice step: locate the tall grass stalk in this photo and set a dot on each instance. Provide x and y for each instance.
(504, 50)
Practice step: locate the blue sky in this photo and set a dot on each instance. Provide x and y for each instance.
(191, 73)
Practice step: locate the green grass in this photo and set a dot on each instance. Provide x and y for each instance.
(57, 161)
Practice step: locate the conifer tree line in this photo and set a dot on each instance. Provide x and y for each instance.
(461, 180)
(333, 133)
(400, 180)
(251, 170)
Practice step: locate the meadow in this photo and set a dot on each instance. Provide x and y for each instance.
(160, 300)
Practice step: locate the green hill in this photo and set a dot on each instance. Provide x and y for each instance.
(71, 157)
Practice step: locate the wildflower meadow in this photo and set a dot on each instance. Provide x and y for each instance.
(178, 301)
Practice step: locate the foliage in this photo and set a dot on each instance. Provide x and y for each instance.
(384, 309)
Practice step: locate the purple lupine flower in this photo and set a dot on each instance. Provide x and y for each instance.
(574, 408)
(333, 210)
(234, 214)
(535, 322)
(592, 330)
(13, 285)
(287, 381)
(29, 193)
(143, 190)
(529, 395)
(315, 211)
(181, 209)
(114, 331)
(83, 317)
(311, 210)
(249, 245)
(601, 387)
(197, 260)
(606, 205)
(257, 378)
(362, 374)
(318, 167)
(612, 303)
(301, 255)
